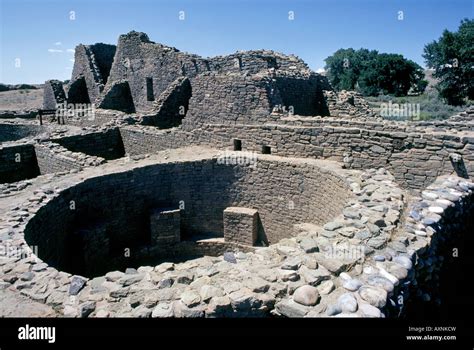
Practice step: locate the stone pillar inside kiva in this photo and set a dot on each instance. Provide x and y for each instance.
(165, 226)
(240, 225)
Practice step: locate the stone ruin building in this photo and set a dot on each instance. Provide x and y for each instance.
(232, 186)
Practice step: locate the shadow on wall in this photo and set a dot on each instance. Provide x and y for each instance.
(18, 163)
(77, 92)
(262, 239)
(171, 106)
(106, 144)
(304, 95)
(118, 97)
(459, 167)
(449, 299)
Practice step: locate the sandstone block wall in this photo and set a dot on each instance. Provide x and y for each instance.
(96, 118)
(241, 225)
(172, 105)
(143, 140)
(165, 226)
(117, 96)
(53, 94)
(13, 132)
(105, 143)
(92, 64)
(231, 98)
(303, 94)
(49, 161)
(202, 188)
(94, 238)
(415, 158)
(17, 162)
(255, 61)
(137, 58)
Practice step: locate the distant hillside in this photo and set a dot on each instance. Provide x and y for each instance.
(8, 87)
(21, 100)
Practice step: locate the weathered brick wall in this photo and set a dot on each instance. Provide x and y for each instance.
(17, 162)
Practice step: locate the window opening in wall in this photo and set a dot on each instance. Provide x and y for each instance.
(266, 150)
(237, 145)
(150, 96)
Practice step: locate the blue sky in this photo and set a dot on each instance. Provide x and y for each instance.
(41, 34)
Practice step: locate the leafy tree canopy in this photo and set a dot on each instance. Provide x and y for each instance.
(373, 73)
(452, 58)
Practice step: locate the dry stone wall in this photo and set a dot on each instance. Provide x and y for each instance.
(105, 143)
(53, 94)
(15, 131)
(137, 58)
(171, 107)
(202, 189)
(17, 162)
(53, 158)
(415, 159)
(92, 64)
(314, 274)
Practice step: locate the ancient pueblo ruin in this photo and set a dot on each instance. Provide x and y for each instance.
(163, 184)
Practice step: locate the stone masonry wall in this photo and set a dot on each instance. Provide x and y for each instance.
(165, 226)
(137, 58)
(13, 132)
(414, 158)
(53, 158)
(172, 105)
(231, 98)
(17, 162)
(255, 61)
(205, 188)
(241, 225)
(92, 63)
(303, 94)
(105, 143)
(53, 94)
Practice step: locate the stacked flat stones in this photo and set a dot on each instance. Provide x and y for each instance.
(295, 278)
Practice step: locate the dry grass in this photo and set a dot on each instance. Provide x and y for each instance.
(21, 100)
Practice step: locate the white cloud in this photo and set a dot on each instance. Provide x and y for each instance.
(320, 70)
(71, 59)
(54, 50)
(57, 43)
(70, 50)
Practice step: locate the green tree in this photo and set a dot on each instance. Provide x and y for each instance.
(452, 58)
(373, 73)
